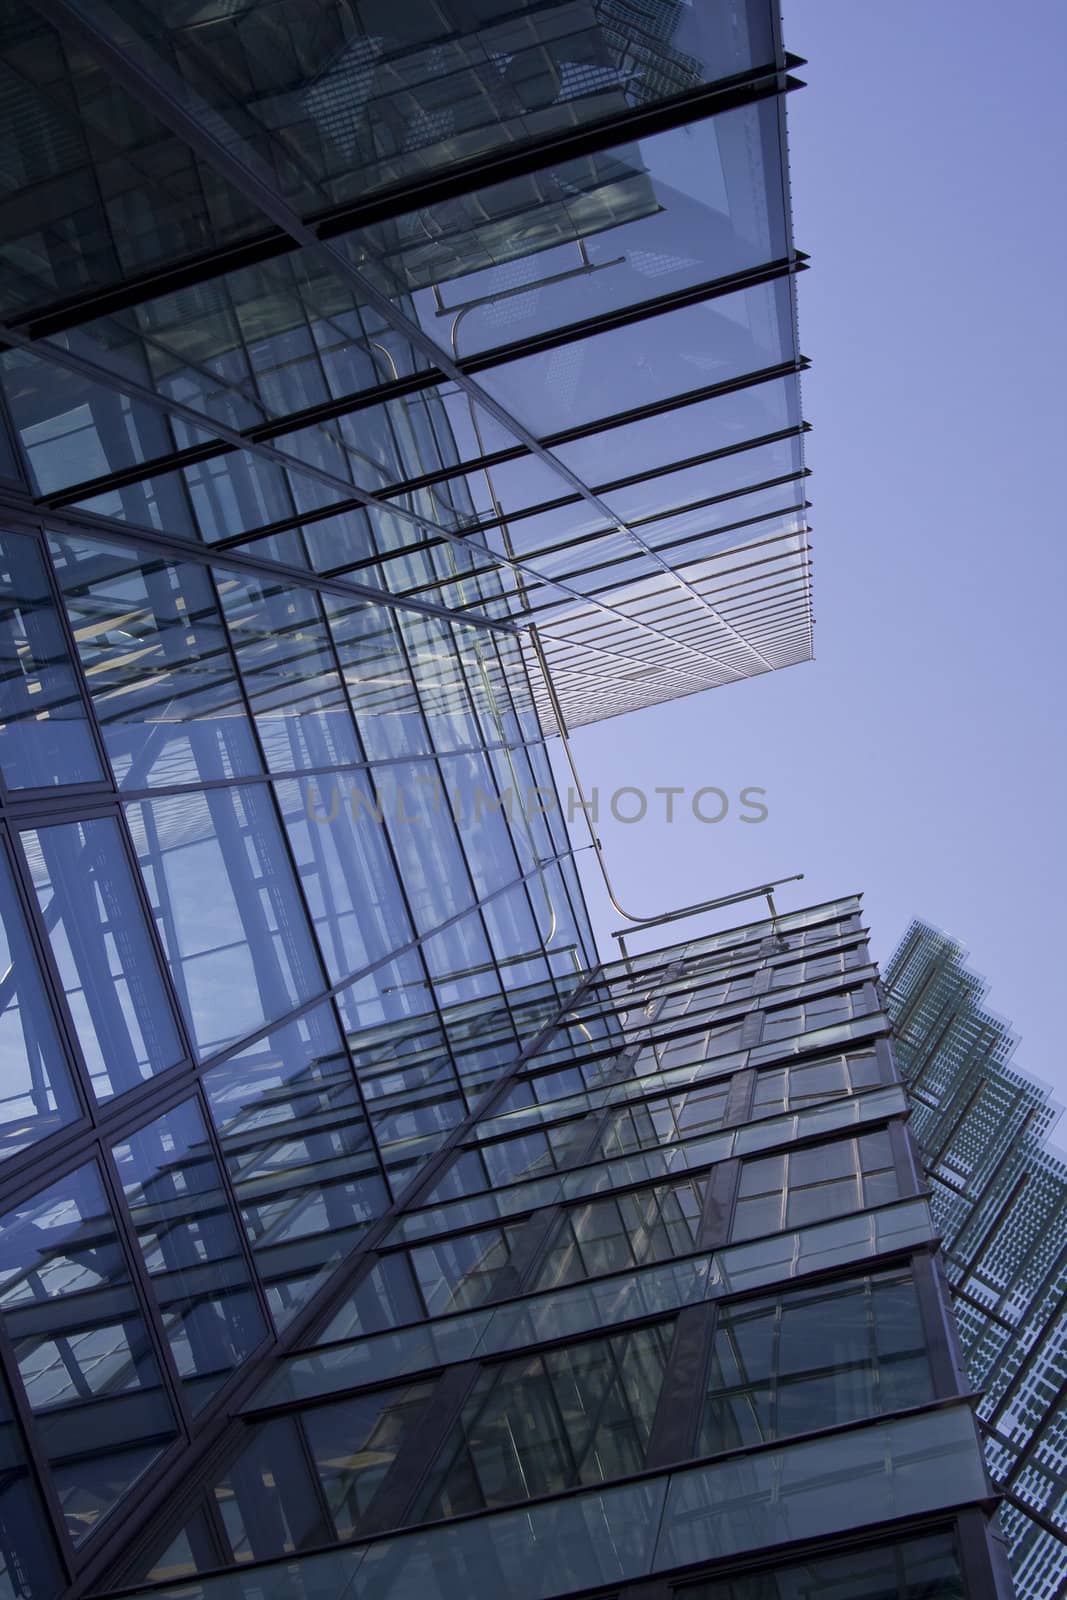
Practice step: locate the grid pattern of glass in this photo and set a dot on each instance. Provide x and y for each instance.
(1000, 1197)
(493, 312)
(575, 1296)
(359, 1232)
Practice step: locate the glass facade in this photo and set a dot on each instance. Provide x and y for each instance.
(999, 1194)
(382, 387)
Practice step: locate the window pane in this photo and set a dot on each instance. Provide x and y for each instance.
(334, 120)
(541, 1424)
(106, 959)
(284, 655)
(299, 1154)
(44, 730)
(378, 677)
(670, 354)
(191, 1249)
(466, 1271)
(219, 882)
(653, 1224)
(82, 1347)
(99, 188)
(915, 1569)
(155, 654)
(37, 1094)
(814, 1358)
(336, 829)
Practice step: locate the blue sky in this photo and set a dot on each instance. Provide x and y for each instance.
(920, 757)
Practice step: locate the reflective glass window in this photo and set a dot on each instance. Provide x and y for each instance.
(421, 825)
(285, 657)
(612, 371)
(299, 1154)
(926, 1568)
(296, 1482)
(73, 429)
(654, 1123)
(378, 677)
(821, 1012)
(44, 729)
(716, 423)
(812, 1184)
(37, 1095)
(191, 1248)
(540, 1424)
(99, 188)
(155, 654)
(337, 832)
(814, 1358)
(220, 885)
(29, 1565)
(440, 681)
(788, 1088)
(334, 120)
(626, 1230)
(105, 955)
(651, 216)
(82, 1347)
(456, 1274)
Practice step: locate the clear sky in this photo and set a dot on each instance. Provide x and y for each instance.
(920, 757)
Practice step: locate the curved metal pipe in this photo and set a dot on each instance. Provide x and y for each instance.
(761, 890)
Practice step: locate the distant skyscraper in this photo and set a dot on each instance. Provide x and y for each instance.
(362, 1237)
(999, 1198)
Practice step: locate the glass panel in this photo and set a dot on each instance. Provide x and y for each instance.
(540, 1424)
(422, 830)
(284, 655)
(627, 1230)
(82, 1348)
(337, 833)
(338, 113)
(37, 1093)
(306, 1479)
(597, 232)
(223, 894)
(29, 1565)
(98, 188)
(573, 1545)
(44, 730)
(378, 677)
(826, 1180)
(872, 1475)
(466, 1271)
(155, 654)
(714, 424)
(74, 429)
(107, 962)
(299, 1154)
(813, 1359)
(191, 1249)
(916, 1569)
(671, 354)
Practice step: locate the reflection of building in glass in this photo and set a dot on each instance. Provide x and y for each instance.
(999, 1198)
(360, 1234)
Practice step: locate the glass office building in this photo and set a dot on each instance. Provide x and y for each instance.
(360, 1233)
(999, 1197)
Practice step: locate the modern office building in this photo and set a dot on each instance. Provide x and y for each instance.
(999, 1198)
(382, 387)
